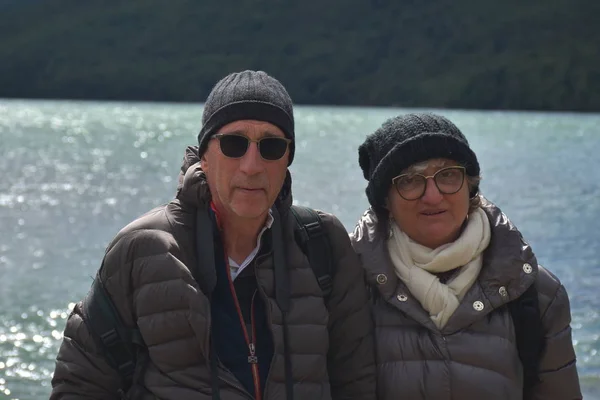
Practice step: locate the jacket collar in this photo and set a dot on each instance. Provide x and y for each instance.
(509, 268)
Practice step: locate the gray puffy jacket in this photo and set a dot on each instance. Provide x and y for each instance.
(474, 356)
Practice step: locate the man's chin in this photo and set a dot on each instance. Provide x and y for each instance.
(250, 211)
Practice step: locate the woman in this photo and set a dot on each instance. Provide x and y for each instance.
(462, 309)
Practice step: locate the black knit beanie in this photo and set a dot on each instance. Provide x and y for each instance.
(405, 140)
(247, 95)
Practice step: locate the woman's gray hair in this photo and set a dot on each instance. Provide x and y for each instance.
(475, 201)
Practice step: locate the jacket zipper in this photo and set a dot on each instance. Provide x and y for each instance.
(446, 360)
(252, 358)
(222, 367)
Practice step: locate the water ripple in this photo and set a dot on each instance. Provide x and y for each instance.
(74, 173)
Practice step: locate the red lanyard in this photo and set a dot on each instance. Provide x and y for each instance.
(251, 342)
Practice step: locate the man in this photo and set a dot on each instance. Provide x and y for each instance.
(225, 301)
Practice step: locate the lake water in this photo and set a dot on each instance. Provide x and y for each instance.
(74, 173)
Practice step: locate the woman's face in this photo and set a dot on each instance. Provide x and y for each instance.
(433, 218)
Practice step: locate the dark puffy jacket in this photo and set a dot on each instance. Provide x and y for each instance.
(146, 271)
(475, 355)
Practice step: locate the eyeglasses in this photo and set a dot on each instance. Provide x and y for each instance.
(235, 146)
(412, 186)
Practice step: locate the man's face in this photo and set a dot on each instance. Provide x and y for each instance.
(245, 187)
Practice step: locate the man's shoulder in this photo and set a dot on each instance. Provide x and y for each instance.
(332, 222)
(149, 230)
(153, 234)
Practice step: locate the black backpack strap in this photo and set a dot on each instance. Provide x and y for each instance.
(529, 332)
(120, 345)
(282, 297)
(313, 240)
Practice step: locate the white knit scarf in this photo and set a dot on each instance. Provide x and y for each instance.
(415, 265)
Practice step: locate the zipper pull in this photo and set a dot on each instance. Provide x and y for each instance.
(252, 358)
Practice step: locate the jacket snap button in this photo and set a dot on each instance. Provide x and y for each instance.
(402, 297)
(478, 306)
(381, 279)
(503, 291)
(527, 268)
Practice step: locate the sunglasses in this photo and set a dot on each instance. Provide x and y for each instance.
(235, 146)
(412, 186)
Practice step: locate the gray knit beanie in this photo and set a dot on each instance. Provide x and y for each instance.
(247, 95)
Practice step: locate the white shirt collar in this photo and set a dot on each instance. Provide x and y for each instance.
(236, 269)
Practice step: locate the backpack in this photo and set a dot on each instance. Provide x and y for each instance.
(122, 345)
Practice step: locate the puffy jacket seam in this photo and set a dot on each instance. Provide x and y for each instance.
(171, 340)
(303, 296)
(158, 282)
(554, 297)
(492, 335)
(559, 332)
(168, 216)
(419, 360)
(482, 368)
(306, 380)
(130, 233)
(484, 334)
(567, 365)
(443, 361)
(165, 311)
(147, 256)
(305, 324)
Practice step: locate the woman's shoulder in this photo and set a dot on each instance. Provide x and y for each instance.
(551, 291)
(366, 231)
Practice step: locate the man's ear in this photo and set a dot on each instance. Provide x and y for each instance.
(203, 163)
